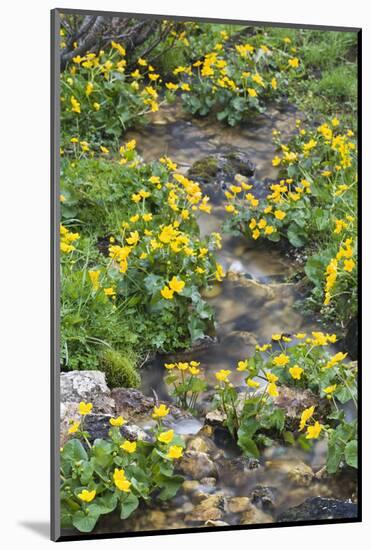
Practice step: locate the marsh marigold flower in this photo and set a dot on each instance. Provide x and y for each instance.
(305, 416)
(87, 496)
(119, 421)
(166, 437)
(314, 431)
(160, 411)
(120, 480)
(175, 452)
(129, 446)
(85, 408)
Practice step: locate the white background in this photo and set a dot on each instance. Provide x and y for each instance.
(24, 302)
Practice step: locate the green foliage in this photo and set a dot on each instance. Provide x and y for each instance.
(152, 263)
(185, 384)
(111, 474)
(313, 206)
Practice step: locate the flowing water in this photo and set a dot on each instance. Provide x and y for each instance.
(254, 301)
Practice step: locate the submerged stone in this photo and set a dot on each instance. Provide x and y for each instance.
(318, 508)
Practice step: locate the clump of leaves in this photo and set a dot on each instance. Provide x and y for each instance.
(101, 476)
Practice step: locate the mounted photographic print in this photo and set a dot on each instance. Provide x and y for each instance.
(204, 275)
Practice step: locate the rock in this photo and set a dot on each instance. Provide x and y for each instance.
(200, 444)
(197, 465)
(254, 516)
(318, 508)
(293, 401)
(222, 167)
(190, 485)
(208, 481)
(211, 291)
(236, 267)
(89, 386)
(264, 497)
(131, 403)
(239, 469)
(216, 523)
(298, 473)
(215, 418)
(238, 504)
(240, 338)
(211, 508)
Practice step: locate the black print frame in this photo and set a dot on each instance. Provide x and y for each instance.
(204, 181)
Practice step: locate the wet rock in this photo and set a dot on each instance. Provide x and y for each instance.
(190, 485)
(211, 508)
(264, 498)
(293, 401)
(318, 508)
(133, 405)
(216, 523)
(130, 403)
(298, 473)
(239, 469)
(238, 504)
(236, 267)
(99, 425)
(89, 386)
(240, 338)
(197, 465)
(211, 291)
(254, 516)
(222, 167)
(215, 418)
(208, 481)
(198, 444)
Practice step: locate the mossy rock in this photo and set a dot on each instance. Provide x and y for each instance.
(221, 167)
(120, 368)
(204, 170)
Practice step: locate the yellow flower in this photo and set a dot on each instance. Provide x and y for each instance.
(330, 389)
(349, 265)
(171, 86)
(272, 378)
(109, 292)
(281, 360)
(222, 375)
(252, 92)
(230, 208)
(255, 234)
(133, 239)
(87, 496)
(279, 214)
(276, 337)
(296, 372)
(276, 161)
(219, 273)
(147, 217)
(176, 285)
(194, 371)
(170, 366)
(314, 431)
(96, 106)
(160, 411)
(75, 105)
(94, 278)
(74, 427)
(166, 437)
(294, 62)
(129, 446)
(252, 383)
(305, 416)
(89, 88)
(243, 365)
(300, 335)
(85, 408)
(120, 480)
(104, 150)
(274, 83)
(175, 452)
(183, 366)
(119, 421)
(272, 389)
(167, 293)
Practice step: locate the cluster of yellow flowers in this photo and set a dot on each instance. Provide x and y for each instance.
(66, 238)
(344, 261)
(191, 367)
(313, 430)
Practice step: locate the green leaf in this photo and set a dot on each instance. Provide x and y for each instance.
(128, 506)
(74, 451)
(334, 455)
(314, 269)
(351, 453)
(247, 445)
(84, 522)
(296, 235)
(170, 486)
